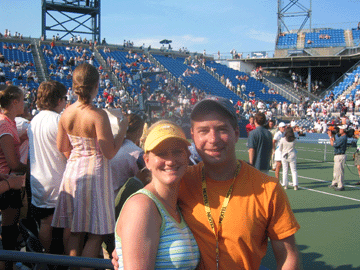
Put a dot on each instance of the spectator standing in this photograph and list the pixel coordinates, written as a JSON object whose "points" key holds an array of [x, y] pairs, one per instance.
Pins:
{"points": [[128, 160], [151, 218], [260, 144], [47, 163], [277, 153], [251, 125], [339, 142], [288, 152], [12, 104], [220, 175], [86, 201]]}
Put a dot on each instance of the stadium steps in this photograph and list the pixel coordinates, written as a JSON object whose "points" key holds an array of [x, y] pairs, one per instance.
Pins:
{"points": [[332, 87], [40, 64], [114, 80], [349, 38], [171, 76], [287, 86], [301, 41]]}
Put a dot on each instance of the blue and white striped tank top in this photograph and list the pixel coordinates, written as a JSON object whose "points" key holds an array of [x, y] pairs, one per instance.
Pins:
{"points": [[177, 247]]}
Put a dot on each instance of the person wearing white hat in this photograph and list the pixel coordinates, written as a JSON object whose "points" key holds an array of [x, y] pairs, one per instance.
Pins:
{"points": [[277, 152], [339, 142]]}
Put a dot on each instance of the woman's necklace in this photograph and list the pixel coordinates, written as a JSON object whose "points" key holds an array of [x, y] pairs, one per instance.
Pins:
{"points": [[174, 209]]}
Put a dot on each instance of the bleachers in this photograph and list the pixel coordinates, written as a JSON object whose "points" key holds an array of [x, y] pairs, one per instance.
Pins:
{"points": [[336, 38], [57, 50], [344, 85], [120, 57], [203, 81], [287, 41], [356, 36], [18, 55], [130, 65], [252, 85]]}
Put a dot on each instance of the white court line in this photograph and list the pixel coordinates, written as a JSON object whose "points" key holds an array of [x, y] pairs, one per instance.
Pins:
{"points": [[324, 181], [320, 180], [326, 193], [319, 161]]}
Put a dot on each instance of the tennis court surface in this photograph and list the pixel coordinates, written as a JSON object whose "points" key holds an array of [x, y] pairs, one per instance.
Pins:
{"points": [[329, 237]]}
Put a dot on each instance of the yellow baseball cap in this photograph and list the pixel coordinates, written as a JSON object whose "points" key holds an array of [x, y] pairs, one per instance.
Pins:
{"points": [[162, 132]]}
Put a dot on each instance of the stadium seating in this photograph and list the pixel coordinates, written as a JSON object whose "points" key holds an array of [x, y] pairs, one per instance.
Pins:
{"points": [[356, 36], [336, 38], [17, 55], [203, 80], [57, 50], [344, 85], [287, 41], [252, 85]]}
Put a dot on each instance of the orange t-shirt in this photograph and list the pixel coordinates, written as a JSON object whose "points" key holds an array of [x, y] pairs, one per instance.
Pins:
{"points": [[258, 209]]}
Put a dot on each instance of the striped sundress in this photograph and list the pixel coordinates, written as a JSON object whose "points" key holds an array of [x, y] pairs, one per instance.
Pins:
{"points": [[177, 246], [86, 199]]}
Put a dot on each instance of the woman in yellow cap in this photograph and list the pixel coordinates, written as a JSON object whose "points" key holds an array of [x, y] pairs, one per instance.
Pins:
{"points": [[151, 232]]}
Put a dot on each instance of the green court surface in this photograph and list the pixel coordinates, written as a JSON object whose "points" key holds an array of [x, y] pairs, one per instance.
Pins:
{"points": [[329, 237]]}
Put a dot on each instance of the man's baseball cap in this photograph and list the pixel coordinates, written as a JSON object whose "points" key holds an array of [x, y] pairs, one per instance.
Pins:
{"points": [[223, 103], [162, 132], [282, 124], [342, 126]]}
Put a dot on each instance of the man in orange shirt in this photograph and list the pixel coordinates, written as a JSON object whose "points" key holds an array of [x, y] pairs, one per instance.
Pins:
{"points": [[232, 208], [252, 205]]}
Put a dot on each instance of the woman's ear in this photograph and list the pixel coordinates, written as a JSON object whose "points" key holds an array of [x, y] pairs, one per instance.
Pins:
{"points": [[146, 159]]}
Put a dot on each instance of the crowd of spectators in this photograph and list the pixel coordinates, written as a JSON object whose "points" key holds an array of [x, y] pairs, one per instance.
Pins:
{"points": [[7, 34], [298, 81]]}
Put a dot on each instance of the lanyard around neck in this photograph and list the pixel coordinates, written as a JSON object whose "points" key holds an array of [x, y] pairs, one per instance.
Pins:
{"points": [[223, 208]]}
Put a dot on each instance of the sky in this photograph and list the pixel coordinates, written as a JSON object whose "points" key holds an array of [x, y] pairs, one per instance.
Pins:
{"points": [[198, 25]]}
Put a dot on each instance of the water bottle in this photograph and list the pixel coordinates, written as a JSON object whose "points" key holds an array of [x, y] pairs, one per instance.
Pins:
{"points": [[21, 266]]}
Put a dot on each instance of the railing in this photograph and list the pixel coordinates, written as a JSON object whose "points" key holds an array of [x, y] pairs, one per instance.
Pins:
{"points": [[281, 91], [339, 80], [170, 75], [41, 60], [40, 258]]}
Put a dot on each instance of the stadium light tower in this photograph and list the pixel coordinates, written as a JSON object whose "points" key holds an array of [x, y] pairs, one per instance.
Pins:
{"points": [[295, 10], [71, 17]]}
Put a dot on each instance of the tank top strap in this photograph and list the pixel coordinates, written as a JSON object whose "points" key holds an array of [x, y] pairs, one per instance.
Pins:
{"points": [[165, 216], [148, 193]]}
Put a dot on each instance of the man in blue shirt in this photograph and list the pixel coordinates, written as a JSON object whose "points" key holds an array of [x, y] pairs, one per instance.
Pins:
{"points": [[339, 142], [260, 144]]}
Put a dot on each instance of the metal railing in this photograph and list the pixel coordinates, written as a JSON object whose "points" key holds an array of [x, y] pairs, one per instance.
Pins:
{"points": [[41, 258], [41, 61], [339, 80], [281, 91]]}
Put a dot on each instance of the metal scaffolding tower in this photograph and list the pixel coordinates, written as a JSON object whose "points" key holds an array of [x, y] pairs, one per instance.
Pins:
{"points": [[71, 17], [293, 9]]}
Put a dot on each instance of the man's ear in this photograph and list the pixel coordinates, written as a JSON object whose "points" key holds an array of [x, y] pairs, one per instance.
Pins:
{"points": [[237, 133]]}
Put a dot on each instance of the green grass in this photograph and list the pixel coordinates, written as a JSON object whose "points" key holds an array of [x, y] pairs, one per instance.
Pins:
{"points": [[329, 235]]}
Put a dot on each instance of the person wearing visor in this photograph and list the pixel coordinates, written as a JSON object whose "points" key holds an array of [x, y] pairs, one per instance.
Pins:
{"points": [[150, 232]]}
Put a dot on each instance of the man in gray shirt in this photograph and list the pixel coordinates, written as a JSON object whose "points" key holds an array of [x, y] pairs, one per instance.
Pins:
{"points": [[260, 144]]}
